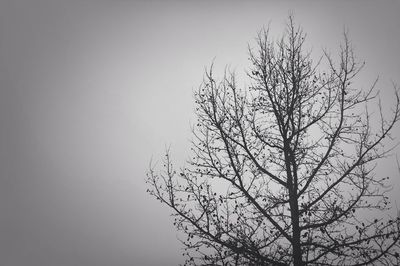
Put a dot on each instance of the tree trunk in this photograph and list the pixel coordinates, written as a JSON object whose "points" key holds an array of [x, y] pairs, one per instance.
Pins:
{"points": [[297, 256]]}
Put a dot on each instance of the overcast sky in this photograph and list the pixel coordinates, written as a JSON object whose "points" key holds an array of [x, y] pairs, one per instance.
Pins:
{"points": [[91, 90]]}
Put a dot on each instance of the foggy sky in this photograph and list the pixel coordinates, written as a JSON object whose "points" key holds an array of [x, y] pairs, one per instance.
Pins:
{"points": [[90, 91]]}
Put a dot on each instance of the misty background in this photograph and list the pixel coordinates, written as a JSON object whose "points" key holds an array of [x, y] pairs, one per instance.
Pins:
{"points": [[90, 91]]}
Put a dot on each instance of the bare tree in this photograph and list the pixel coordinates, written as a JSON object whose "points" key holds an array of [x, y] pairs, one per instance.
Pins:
{"points": [[282, 172]]}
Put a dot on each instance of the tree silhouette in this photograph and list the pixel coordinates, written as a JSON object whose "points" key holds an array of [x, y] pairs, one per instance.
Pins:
{"points": [[282, 172]]}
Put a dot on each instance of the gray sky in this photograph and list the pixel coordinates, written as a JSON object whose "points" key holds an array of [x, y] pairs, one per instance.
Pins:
{"points": [[90, 90]]}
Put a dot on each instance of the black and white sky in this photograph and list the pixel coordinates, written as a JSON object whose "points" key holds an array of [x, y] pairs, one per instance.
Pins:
{"points": [[91, 90]]}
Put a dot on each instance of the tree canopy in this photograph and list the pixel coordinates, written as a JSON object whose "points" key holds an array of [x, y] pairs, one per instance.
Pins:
{"points": [[282, 171]]}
